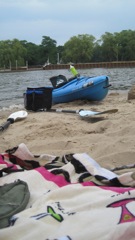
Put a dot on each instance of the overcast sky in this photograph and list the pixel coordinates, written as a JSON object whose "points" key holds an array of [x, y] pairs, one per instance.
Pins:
{"points": [[62, 19]]}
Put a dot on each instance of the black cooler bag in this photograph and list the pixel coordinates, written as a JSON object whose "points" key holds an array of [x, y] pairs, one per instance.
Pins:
{"points": [[38, 98]]}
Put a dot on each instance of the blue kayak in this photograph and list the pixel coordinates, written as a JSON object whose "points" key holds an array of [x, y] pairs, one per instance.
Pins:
{"points": [[82, 87]]}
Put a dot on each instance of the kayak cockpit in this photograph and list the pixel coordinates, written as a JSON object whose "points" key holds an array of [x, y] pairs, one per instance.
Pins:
{"points": [[60, 80]]}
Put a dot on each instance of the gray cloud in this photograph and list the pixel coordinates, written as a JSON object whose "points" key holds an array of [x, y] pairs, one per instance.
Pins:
{"points": [[61, 19]]}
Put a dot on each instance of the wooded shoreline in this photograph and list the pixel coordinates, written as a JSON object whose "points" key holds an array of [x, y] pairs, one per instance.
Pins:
{"points": [[119, 64]]}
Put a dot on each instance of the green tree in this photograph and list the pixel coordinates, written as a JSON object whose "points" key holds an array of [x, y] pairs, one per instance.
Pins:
{"points": [[32, 55], [18, 53], [118, 46], [48, 50], [6, 53], [126, 45], [79, 49], [97, 52], [108, 47]]}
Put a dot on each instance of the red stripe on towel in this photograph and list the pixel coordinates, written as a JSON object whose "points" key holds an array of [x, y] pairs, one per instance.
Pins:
{"points": [[57, 179]]}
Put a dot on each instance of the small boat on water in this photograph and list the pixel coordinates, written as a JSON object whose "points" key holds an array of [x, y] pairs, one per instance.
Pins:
{"points": [[79, 87]]}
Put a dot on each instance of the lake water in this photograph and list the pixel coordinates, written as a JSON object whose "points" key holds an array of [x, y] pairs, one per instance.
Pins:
{"points": [[14, 84]]}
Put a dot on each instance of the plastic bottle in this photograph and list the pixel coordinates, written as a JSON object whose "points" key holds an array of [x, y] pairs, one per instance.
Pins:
{"points": [[73, 71]]}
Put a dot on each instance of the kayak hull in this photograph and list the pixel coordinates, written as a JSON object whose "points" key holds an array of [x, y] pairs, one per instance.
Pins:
{"points": [[83, 88]]}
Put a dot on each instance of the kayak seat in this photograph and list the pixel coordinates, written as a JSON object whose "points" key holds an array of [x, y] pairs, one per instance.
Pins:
{"points": [[58, 81]]}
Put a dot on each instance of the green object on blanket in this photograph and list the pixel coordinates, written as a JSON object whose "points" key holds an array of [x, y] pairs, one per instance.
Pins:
{"points": [[14, 198]]}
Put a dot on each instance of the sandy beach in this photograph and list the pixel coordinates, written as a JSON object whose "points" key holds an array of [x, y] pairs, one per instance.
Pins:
{"points": [[108, 139], [71, 196]]}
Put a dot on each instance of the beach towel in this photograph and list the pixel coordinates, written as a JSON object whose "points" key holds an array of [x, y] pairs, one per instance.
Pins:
{"points": [[71, 197]]}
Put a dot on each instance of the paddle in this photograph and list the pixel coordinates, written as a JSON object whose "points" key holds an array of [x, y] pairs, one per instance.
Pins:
{"points": [[88, 113], [83, 113], [12, 118]]}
